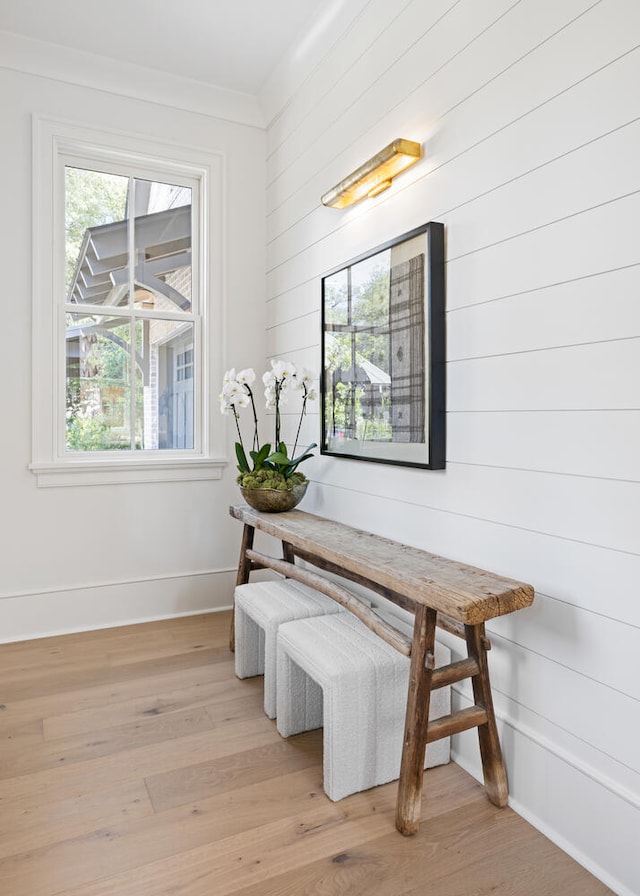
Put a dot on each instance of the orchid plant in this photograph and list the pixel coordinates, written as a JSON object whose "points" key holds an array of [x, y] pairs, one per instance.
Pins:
{"points": [[268, 469]]}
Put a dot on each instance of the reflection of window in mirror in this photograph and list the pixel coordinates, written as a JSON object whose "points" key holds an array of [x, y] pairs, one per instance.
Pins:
{"points": [[378, 331]]}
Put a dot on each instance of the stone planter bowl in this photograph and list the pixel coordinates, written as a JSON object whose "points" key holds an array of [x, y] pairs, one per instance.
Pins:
{"points": [[274, 500]]}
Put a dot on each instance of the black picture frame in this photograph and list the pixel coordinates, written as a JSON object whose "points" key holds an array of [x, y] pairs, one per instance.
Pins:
{"points": [[383, 388]]}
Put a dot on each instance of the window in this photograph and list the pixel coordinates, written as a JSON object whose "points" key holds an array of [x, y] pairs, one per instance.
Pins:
{"points": [[129, 308], [122, 309]]}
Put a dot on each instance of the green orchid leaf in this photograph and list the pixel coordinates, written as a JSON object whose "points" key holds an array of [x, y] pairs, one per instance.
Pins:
{"points": [[243, 466], [278, 457], [294, 463], [305, 454], [258, 457]]}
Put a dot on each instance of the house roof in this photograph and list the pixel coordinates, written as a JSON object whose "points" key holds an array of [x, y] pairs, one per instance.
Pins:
{"points": [[162, 244]]}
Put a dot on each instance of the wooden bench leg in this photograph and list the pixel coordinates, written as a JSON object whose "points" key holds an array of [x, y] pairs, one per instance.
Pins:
{"points": [[244, 569], [495, 774], [409, 804], [287, 553], [418, 732]]}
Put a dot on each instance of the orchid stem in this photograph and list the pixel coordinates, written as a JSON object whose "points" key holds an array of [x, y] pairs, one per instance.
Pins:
{"points": [[278, 388], [256, 441], [235, 417], [304, 405]]}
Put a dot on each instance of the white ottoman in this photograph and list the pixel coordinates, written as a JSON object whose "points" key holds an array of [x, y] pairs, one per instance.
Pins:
{"points": [[336, 671], [260, 607]]}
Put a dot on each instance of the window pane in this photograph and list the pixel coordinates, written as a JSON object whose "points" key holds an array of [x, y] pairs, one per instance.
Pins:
{"points": [[337, 298], [99, 401], [95, 236], [98, 376], [162, 235], [370, 291], [168, 370], [373, 388]]}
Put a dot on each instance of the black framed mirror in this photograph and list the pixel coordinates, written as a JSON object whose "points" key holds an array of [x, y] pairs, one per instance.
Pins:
{"points": [[383, 351]]}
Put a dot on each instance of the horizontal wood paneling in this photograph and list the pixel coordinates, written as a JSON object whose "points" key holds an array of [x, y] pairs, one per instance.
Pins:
{"points": [[586, 644], [464, 50], [577, 573], [604, 241], [591, 309], [369, 78], [620, 779], [315, 148], [522, 94], [553, 701], [528, 114], [539, 502], [598, 239], [600, 376], [573, 183], [572, 442], [294, 334]]}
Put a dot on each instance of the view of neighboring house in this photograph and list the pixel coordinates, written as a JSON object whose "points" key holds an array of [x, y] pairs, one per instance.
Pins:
{"points": [[154, 288]]}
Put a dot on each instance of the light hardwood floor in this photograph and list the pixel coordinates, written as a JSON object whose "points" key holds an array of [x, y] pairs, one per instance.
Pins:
{"points": [[134, 763]]}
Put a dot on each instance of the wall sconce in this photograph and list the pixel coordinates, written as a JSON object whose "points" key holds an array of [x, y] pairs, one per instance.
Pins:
{"points": [[375, 175]]}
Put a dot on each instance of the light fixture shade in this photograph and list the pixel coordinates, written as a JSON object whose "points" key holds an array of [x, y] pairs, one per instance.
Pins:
{"points": [[375, 175]]}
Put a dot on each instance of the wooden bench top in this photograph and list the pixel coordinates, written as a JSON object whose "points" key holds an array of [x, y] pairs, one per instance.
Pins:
{"points": [[465, 593]]}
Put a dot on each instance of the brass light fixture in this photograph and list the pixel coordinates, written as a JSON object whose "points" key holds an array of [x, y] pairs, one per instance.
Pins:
{"points": [[375, 175]]}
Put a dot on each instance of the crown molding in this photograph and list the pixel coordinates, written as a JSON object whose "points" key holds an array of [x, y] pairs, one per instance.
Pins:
{"points": [[84, 69]]}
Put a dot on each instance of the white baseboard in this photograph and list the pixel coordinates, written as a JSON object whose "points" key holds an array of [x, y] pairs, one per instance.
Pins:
{"points": [[105, 605], [585, 817]]}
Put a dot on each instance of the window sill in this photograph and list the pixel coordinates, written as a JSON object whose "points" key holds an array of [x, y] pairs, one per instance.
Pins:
{"points": [[111, 472]]}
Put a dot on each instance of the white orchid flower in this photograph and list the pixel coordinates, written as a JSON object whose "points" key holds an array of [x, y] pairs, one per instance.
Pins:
{"points": [[229, 376], [303, 379], [247, 376], [231, 388], [270, 396], [277, 369], [283, 370], [242, 400], [235, 394], [289, 370]]}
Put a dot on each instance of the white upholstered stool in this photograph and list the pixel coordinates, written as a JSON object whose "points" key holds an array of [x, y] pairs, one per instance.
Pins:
{"points": [[333, 670], [260, 607]]}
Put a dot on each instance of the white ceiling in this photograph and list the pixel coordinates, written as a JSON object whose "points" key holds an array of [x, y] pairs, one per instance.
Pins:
{"points": [[231, 44]]}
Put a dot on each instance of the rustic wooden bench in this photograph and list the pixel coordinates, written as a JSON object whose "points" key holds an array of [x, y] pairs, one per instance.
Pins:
{"points": [[439, 592]]}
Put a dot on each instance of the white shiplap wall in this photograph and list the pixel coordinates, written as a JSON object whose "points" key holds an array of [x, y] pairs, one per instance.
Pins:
{"points": [[529, 113]]}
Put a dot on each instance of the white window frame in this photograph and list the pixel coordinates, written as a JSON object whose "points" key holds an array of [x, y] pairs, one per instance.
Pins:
{"points": [[56, 144]]}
